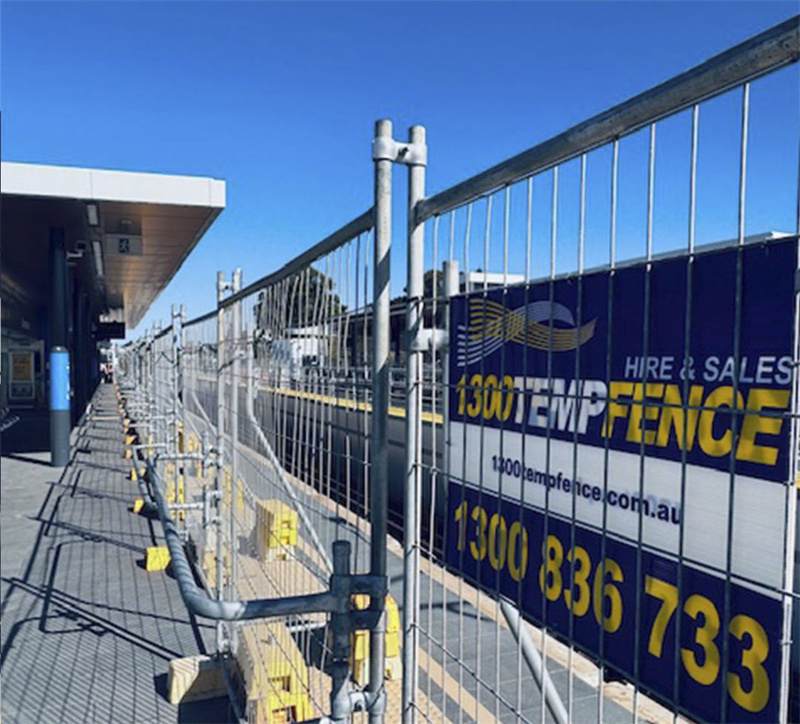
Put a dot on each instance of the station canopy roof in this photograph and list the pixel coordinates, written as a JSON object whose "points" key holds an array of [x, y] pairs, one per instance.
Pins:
{"points": [[129, 232]]}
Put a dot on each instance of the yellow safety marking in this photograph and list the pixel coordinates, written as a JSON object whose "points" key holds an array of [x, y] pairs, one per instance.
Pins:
{"points": [[181, 498], [460, 695], [226, 489], [394, 411], [128, 453], [138, 505], [156, 558], [134, 476], [130, 439], [169, 494], [226, 486]]}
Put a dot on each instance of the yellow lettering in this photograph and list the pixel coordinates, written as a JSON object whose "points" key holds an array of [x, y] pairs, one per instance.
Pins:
{"points": [[755, 424], [672, 416], [640, 412], [615, 409], [716, 447]]}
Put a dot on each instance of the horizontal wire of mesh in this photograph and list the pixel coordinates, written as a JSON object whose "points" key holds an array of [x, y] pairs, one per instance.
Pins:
{"points": [[597, 325]]}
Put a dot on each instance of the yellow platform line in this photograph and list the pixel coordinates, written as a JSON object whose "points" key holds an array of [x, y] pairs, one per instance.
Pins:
{"points": [[394, 411], [466, 701]]}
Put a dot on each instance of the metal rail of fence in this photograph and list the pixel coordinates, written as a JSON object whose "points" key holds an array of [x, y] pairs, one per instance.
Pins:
{"points": [[584, 429]]}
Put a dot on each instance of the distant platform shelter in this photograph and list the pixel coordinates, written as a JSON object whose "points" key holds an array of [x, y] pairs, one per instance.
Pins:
{"points": [[85, 254]]}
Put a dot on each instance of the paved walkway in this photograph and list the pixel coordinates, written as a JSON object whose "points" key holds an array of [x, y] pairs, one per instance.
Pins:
{"points": [[87, 634]]}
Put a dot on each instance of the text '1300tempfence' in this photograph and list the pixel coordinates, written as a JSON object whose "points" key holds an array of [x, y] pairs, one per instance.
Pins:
{"points": [[576, 411]]}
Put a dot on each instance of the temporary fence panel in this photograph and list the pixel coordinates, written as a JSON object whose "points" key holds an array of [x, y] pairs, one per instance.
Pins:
{"points": [[300, 462], [613, 451], [260, 435], [584, 427]]}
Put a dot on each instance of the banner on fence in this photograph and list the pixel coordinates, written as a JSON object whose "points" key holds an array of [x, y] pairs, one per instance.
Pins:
{"points": [[580, 398]]}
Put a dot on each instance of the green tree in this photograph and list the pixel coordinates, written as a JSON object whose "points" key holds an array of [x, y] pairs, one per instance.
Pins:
{"points": [[303, 300]]}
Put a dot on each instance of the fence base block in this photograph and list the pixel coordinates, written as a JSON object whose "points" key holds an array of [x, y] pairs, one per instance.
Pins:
{"points": [[156, 558], [194, 678]]}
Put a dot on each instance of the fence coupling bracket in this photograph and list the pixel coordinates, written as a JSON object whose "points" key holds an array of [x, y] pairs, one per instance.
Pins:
{"points": [[370, 585], [427, 339], [411, 154], [370, 701], [366, 620]]}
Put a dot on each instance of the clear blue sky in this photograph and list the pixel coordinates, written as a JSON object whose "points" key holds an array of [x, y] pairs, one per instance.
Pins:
{"points": [[279, 99]]}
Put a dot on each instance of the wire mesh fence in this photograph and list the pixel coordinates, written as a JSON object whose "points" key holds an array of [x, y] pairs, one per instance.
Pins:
{"points": [[598, 396], [583, 408], [291, 385]]}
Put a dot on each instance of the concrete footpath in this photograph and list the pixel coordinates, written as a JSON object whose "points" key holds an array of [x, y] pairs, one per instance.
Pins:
{"points": [[87, 633]]}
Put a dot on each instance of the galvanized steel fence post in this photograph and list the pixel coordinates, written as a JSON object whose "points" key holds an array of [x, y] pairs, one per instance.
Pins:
{"points": [[236, 285], [415, 347], [175, 337], [220, 451], [379, 487]]}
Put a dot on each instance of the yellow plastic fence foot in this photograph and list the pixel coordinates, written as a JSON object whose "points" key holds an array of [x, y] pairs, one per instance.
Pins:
{"points": [[392, 627], [156, 558], [138, 505], [359, 644], [276, 530], [275, 675], [194, 678]]}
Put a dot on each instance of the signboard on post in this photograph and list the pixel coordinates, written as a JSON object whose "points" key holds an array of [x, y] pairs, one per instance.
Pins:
{"points": [[599, 479], [123, 244]]}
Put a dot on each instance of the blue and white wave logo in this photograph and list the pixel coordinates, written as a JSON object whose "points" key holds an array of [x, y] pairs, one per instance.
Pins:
{"points": [[540, 325]]}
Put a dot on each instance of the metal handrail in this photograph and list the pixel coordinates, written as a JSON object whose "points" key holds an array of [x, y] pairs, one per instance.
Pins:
{"points": [[764, 53], [201, 604]]}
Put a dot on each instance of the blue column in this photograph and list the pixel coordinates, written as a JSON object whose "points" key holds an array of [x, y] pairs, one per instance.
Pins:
{"points": [[60, 422], [60, 418]]}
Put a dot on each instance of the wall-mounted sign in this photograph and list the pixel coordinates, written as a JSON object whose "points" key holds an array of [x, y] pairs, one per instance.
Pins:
{"points": [[21, 385], [123, 244], [109, 330]]}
